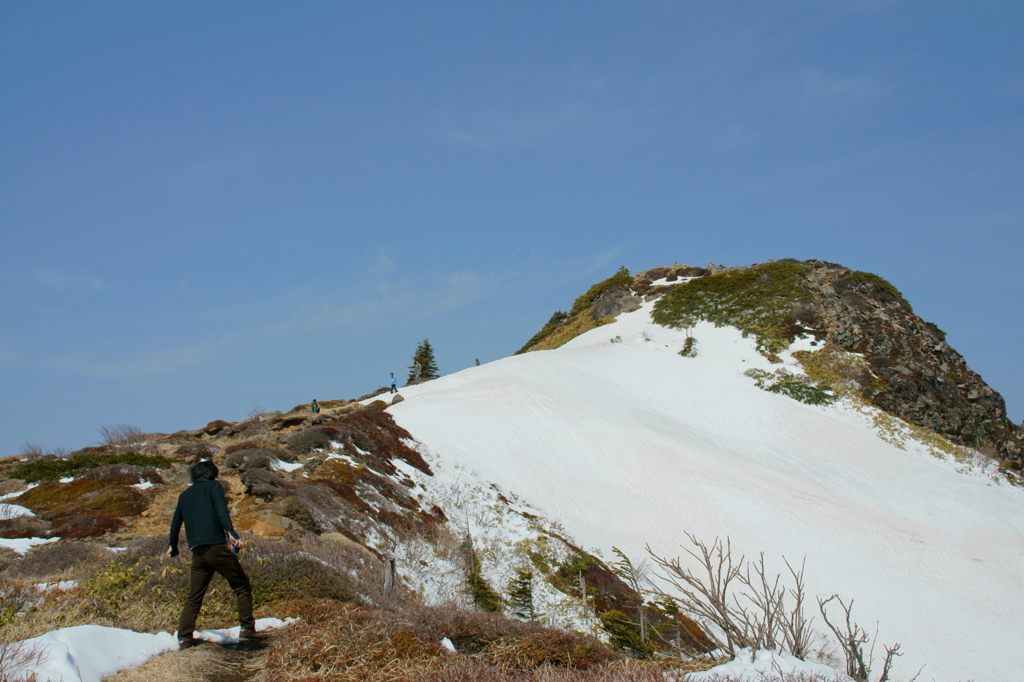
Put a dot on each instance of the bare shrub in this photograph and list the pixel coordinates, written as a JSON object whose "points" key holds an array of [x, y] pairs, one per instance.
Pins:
{"points": [[748, 606], [751, 608], [122, 437], [31, 451], [852, 639], [15, 657], [256, 412]]}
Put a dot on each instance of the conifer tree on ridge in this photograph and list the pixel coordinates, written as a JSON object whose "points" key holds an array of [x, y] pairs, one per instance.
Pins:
{"points": [[428, 366]]}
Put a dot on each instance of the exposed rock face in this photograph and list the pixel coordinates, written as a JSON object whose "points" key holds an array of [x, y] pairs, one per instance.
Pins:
{"points": [[928, 383], [615, 302]]}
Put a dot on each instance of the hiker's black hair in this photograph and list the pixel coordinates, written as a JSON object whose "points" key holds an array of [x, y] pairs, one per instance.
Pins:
{"points": [[203, 471]]}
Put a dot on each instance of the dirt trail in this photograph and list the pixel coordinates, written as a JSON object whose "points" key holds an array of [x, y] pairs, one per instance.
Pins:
{"points": [[205, 663]]}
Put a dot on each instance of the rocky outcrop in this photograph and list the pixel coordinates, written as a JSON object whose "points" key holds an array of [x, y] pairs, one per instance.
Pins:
{"points": [[926, 382], [614, 302]]}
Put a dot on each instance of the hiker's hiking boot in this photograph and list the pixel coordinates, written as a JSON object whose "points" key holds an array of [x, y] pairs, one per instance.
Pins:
{"points": [[188, 643], [251, 636]]}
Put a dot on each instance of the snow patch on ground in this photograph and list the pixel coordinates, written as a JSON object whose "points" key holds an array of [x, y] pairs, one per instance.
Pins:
{"points": [[285, 466], [230, 635], [22, 545], [765, 666], [91, 653], [14, 511]]}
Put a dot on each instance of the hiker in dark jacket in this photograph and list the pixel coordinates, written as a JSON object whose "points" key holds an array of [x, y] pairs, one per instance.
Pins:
{"points": [[214, 542]]}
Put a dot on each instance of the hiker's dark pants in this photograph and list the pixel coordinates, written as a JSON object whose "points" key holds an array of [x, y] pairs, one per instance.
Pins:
{"points": [[207, 560]]}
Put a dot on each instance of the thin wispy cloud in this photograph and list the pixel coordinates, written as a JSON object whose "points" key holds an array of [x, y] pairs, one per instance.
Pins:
{"points": [[61, 282], [818, 90], [572, 104]]}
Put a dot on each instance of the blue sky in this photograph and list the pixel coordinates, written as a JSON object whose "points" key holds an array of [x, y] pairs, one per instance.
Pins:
{"points": [[211, 206]]}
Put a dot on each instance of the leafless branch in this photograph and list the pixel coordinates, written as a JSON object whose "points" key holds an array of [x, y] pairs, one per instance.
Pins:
{"points": [[122, 437]]}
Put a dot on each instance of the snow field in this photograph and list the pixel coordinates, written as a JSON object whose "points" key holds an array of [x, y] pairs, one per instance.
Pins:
{"points": [[629, 444]]}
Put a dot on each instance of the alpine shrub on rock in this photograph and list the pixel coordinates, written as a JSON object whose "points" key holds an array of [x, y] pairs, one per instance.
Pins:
{"points": [[263, 483], [796, 386], [758, 300], [621, 278], [314, 438]]}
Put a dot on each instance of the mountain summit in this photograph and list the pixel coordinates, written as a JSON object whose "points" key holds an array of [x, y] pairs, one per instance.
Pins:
{"points": [[905, 366]]}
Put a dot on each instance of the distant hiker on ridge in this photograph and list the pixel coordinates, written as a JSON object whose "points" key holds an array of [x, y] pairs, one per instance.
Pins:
{"points": [[214, 544], [418, 369], [315, 407], [394, 383]]}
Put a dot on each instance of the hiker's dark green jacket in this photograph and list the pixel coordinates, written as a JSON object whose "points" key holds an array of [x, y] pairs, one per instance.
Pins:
{"points": [[204, 511]]}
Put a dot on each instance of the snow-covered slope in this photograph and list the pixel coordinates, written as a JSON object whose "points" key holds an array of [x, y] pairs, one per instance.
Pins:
{"points": [[629, 444]]}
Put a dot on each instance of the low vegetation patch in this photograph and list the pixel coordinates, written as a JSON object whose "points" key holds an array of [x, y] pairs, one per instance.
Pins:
{"points": [[758, 300], [881, 284], [145, 590], [576, 326], [46, 469], [847, 374], [349, 642], [53, 500], [557, 319], [797, 386]]}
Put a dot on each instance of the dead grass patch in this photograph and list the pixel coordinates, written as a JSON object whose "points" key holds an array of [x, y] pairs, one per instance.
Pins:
{"points": [[53, 501], [207, 663], [61, 561]]}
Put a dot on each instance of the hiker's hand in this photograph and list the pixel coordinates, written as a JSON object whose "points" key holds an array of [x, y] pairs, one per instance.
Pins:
{"points": [[236, 544]]}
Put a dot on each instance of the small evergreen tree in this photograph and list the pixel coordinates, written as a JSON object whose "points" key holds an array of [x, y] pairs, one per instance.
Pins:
{"points": [[520, 595], [428, 367], [481, 592]]}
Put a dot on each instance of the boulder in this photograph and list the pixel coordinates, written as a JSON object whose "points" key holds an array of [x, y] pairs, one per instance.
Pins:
{"points": [[614, 302], [272, 526]]}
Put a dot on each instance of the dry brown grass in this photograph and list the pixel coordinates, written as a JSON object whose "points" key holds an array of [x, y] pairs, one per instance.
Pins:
{"points": [[343, 642], [570, 329], [209, 663], [54, 500]]}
